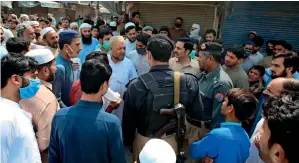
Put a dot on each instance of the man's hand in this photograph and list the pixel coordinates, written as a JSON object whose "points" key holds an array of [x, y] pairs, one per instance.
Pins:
{"points": [[129, 7], [115, 104], [207, 160]]}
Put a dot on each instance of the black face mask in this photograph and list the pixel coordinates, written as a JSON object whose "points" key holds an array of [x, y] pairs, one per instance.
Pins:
{"points": [[269, 51], [178, 25]]}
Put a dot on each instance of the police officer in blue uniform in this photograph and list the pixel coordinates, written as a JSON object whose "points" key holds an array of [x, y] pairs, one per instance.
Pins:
{"points": [[213, 85], [149, 93]]}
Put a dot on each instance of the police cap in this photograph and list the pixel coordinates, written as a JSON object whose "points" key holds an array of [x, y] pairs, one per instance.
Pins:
{"points": [[213, 48]]}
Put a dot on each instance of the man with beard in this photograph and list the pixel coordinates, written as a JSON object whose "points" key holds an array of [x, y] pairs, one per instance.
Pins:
{"points": [[131, 37], [89, 44], [266, 61], [70, 46], [176, 31], [123, 70], [44, 104], [26, 32], [233, 59], [36, 28], [281, 46], [50, 38], [277, 87], [283, 65]]}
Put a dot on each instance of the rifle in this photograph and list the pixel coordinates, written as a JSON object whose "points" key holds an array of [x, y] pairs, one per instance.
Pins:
{"points": [[178, 122]]}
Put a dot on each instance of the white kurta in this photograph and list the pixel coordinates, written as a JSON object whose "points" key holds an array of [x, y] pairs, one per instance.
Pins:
{"points": [[130, 46], [122, 73], [18, 142]]}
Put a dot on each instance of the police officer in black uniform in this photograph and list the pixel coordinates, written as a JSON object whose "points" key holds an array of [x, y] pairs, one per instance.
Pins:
{"points": [[149, 93]]}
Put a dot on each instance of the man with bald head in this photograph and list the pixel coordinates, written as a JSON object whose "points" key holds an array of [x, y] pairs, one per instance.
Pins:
{"points": [[123, 69], [276, 87]]}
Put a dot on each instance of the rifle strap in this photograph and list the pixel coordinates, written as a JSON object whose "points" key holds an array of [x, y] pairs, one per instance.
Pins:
{"points": [[177, 76]]}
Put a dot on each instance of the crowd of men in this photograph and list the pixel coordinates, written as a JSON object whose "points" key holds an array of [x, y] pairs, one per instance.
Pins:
{"points": [[95, 92]]}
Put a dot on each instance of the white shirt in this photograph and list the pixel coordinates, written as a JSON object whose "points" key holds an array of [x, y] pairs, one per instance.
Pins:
{"points": [[140, 62], [18, 142], [254, 155], [130, 46], [122, 73]]}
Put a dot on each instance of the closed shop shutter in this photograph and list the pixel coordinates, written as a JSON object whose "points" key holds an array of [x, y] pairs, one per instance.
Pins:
{"points": [[271, 20], [157, 14]]}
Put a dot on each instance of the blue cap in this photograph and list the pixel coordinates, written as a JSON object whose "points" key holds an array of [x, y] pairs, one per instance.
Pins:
{"points": [[66, 36]]}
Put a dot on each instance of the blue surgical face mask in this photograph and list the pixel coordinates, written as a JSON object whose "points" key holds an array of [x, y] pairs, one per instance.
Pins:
{"points": [[106, 45], [31, 89], [140, 50], [192, 54]]}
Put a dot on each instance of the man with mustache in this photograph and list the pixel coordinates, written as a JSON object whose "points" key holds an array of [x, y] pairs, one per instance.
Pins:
{"points": [[89, 44], [123, 70], [282, 65], [26, 32], [50, 38], [36, 28]]}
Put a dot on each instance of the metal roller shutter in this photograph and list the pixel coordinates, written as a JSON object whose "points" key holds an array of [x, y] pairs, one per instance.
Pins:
{"points": [[271, 20], [157, 14]]}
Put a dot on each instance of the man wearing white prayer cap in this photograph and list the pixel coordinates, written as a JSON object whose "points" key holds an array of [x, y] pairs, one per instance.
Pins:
{"points": [[129, 24], [89, 44], [43, 105], [24, 18], [131, 35], [113, 27], [50, 38], [157, 151], [74, 26]]}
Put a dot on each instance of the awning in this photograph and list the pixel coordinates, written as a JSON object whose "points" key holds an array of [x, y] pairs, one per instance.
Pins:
{"points": [[48, 4]]}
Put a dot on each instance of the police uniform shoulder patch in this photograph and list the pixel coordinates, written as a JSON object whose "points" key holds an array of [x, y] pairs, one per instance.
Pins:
{"points": [[130, 82], [219, 97]]}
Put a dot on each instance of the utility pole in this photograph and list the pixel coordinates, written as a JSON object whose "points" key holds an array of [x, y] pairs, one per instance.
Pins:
{"points": [[97, 10]]}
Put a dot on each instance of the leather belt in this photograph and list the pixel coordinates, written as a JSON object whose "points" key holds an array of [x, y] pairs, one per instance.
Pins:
{"points": [[199, 123]]}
